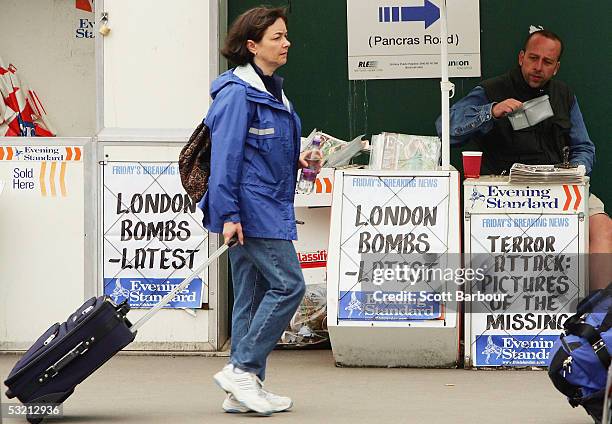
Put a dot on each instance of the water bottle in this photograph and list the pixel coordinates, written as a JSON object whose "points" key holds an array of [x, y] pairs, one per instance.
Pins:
{"points": [[309, 175]]}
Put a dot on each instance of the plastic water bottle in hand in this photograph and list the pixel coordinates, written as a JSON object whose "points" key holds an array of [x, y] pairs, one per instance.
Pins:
{"points": [[309, 175]]}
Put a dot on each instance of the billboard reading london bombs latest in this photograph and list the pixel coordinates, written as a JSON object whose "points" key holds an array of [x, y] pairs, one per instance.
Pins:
{"points": [[393, 229], [153, 235]]}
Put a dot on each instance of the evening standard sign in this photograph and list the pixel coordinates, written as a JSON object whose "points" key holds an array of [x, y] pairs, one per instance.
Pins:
{"points": [[148, 292], [393, 39], [520, 198], [379, 306], [40, 153], [514, 350]]}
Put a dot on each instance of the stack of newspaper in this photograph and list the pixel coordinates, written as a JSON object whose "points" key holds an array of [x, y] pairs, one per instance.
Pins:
{"points": [[404, 152], [549, 174]]}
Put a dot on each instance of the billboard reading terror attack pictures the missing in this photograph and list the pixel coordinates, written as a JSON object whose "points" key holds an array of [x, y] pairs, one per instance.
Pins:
{"points": [[530, 243]]}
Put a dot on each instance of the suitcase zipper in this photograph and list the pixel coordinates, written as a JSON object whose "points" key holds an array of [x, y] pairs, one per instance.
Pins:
{"points": [[83, 312], [51, 337]]}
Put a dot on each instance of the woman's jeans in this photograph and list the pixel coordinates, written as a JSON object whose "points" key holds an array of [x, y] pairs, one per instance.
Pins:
{"points": [[268, 288]]}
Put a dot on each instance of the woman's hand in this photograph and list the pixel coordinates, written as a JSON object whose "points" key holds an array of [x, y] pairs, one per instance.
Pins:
{"points": [[231, 228], [303, 163]]}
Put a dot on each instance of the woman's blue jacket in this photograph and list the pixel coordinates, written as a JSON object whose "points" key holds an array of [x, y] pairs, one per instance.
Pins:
{"points": [[255, 151]]}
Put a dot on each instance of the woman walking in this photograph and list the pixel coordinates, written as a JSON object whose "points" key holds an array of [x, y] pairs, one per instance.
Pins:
{"points": [[255, 135]]}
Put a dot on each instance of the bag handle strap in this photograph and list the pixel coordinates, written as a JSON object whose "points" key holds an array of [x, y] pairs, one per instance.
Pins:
{"points": [[593, 336]]}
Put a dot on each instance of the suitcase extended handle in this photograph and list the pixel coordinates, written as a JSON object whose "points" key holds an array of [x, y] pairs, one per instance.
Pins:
{"points": [[233, 240], [134, 328]]}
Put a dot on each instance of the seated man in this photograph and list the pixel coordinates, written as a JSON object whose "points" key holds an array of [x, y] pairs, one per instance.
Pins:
{"points": [[481, 116]]}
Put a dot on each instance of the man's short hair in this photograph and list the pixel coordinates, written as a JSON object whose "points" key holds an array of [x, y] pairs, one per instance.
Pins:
{"points": [[545, 33]]}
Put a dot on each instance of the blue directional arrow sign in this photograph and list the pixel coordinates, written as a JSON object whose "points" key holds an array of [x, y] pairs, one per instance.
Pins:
{"points": [[428, 13]]}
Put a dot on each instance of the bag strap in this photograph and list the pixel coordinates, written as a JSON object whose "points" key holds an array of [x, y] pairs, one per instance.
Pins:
{"points": [[204, 155], [593, 336]]}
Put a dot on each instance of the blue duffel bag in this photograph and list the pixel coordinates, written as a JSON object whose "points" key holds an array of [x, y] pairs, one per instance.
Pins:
{"points": [[580, 359]]}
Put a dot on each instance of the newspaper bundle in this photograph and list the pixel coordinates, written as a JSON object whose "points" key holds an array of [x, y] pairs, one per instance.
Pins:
{"points": [[546, 174], [402, 151]]}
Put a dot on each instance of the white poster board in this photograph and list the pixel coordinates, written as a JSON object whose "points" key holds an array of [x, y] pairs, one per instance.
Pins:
{"points": [[153, 236], [312, 243], [532, 260], [43, 254], [529, 243], [393, 236], [392, 39]]}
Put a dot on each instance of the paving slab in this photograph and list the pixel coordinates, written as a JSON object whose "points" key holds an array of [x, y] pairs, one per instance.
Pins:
{"points": [[180, 389]]}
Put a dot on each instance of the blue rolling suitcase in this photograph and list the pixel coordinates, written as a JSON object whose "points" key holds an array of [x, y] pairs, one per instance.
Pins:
{"points": [[67, 353]]}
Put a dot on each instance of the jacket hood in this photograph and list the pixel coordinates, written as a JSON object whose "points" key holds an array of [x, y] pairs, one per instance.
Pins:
{"points": [[247, 77], [223, 80]]}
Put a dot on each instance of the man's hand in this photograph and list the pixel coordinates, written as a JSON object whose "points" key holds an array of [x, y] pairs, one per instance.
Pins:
{"points": [[501, 109], [231, 228]]}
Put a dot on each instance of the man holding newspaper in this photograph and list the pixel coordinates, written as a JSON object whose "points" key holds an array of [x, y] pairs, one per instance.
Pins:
{"points": [[482, 115]]}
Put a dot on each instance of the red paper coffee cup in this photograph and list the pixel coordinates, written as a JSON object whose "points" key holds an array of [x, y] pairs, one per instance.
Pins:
{"points": [[471, 164]]}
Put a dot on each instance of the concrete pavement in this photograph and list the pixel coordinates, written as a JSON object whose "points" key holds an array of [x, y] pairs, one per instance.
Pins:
{"points": [[179, 389]]}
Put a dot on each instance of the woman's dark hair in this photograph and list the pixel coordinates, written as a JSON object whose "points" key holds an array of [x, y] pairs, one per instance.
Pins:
{"points": [[251, 25]]}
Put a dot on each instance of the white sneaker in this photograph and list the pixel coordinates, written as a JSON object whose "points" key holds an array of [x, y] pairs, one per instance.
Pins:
{"points": [[278, 403], [232, 406], [245, 387]]}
